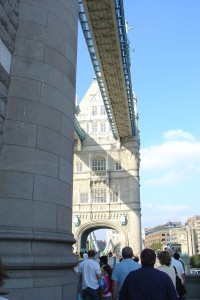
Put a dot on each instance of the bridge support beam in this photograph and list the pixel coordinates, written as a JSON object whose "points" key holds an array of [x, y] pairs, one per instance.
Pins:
{"points": [[37, 154]]}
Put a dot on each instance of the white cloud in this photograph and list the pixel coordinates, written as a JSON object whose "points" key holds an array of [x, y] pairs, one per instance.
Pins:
{"points": [[178, 134], [177, 159]]}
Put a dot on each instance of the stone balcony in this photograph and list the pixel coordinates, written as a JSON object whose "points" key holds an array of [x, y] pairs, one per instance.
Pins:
{"points": [[99, 176]]}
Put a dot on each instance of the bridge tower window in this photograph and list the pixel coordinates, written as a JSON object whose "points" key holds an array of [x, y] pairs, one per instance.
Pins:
{"points": [[114, 196], [94, 127], [99, 195], [83, 196], [118, 166], [99, 164], [94, 110], [79, 167], [103, 127], [103, 110]]}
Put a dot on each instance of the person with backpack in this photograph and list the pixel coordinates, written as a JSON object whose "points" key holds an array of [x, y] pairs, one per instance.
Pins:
{"points": [[106, 273]]}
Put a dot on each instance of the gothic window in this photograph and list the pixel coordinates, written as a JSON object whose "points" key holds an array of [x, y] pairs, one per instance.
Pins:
{"points": [[83, 197], [114, 196], [99, 164], [79, 167], [103, 110], [94, 127], [98, 195], [94, 110], [103, 127], [118, 166]]}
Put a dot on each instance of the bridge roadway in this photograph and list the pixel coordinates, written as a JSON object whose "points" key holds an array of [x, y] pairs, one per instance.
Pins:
{"points": [[104, 28]]}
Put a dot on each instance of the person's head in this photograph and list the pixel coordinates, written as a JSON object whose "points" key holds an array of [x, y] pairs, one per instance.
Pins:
{"points": [[91, 253], [176, 255], [164, 258], [148, 257], [170, 251], [127, 252], [103, 260]]}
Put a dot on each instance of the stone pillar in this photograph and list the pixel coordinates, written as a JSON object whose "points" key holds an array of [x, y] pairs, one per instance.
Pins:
{"points": [[37, 154]]}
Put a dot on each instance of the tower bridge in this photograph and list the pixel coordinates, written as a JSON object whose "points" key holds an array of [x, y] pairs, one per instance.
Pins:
{"points": [[104, 28], [38, 42]]}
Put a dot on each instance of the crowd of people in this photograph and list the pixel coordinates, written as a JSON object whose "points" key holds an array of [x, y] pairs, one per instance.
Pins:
{"points": [[131, 278]]}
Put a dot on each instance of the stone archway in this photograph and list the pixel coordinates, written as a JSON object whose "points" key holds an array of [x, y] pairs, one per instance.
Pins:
{"points": [[84, 230]]}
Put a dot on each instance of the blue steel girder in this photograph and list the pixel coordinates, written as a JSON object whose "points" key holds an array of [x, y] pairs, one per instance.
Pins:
{"points": [[78, 130], [104, 29]]}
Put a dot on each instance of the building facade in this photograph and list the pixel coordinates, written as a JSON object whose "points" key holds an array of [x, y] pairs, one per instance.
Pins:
{"points": [[161, 234], [193, 235], [106, 191], [183, 238]]}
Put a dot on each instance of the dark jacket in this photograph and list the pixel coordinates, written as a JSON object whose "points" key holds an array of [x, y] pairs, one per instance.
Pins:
{"points": [[147, 283]]}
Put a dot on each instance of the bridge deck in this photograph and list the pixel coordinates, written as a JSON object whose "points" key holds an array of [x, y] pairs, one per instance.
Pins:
{"points": [[104, 30]]}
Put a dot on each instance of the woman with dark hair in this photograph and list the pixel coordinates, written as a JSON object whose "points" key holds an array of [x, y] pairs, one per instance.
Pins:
{"points": [[2, 277], [106, 273], [165, 265]]}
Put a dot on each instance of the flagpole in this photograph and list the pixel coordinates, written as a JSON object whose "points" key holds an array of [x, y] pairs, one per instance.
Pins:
{"points": [[170, 235]]}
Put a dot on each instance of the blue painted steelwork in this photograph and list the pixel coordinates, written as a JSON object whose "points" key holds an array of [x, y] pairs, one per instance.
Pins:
{"points": [[78, 129], [90, 45], [124, 43]]}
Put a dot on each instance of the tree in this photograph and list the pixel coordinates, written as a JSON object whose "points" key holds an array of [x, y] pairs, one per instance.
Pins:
{"points": [[195, 261], [156, 246]]}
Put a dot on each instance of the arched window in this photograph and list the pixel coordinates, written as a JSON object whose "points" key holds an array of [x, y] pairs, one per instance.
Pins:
{"points": [[99, 163]]}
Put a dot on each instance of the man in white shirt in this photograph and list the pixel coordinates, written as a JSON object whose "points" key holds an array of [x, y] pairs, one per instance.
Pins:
{"points": [[177, 264], [90, 272]]}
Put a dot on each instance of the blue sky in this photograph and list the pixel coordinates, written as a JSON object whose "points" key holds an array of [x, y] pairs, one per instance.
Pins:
{"points": [[165, 68]]}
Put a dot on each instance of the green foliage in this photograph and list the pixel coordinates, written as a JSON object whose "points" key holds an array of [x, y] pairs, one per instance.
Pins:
{"points": [[195, 261], [156, 246]]}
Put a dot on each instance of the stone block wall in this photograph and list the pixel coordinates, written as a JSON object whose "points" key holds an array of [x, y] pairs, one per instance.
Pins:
{"points": [[38, 57]]}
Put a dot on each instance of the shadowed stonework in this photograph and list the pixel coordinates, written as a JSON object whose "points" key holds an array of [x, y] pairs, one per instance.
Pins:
{"points": [[36, 107]]}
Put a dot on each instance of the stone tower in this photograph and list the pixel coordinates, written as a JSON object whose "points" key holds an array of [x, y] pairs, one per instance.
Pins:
{"points": [[106, 191], [38, 39]]}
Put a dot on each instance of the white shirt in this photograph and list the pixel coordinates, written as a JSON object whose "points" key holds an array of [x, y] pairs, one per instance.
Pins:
{"points": [[178, 265], [170, 271], [89, 270]]}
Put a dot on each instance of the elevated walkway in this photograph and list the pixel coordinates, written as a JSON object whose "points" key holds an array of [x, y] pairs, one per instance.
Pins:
{"points": [[104, 28]]}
